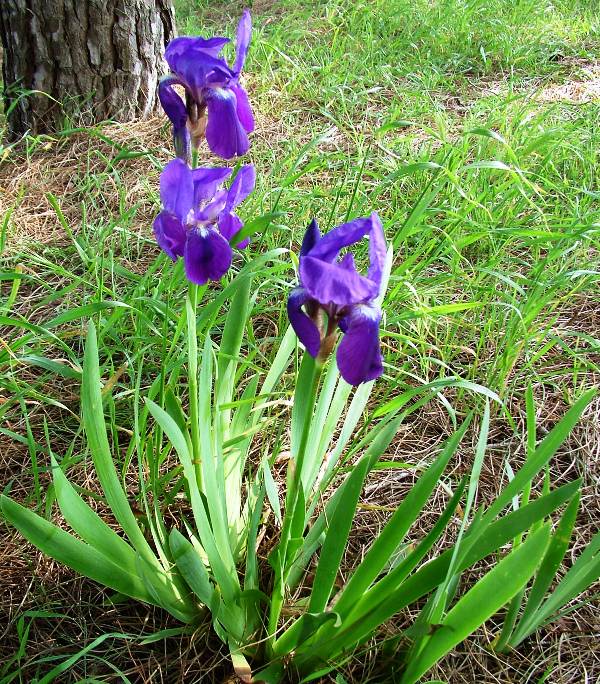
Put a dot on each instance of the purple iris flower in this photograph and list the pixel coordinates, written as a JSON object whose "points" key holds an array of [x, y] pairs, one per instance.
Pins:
{"points": [[210, 84], [198, 218], [335, 295]]}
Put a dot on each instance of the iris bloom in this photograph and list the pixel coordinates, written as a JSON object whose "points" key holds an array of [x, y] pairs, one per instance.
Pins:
{"points": [[198, 218], [210, 84], [333, 294]]}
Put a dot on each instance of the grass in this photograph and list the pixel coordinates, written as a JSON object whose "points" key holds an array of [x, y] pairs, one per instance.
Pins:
{"points": [[443, 116]]}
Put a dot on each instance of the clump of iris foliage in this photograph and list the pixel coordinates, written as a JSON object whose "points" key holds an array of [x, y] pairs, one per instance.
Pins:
{"points": [[205, 567]]}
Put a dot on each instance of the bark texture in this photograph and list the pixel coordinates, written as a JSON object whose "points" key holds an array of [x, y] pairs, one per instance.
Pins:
{"points": [[92, 59]]}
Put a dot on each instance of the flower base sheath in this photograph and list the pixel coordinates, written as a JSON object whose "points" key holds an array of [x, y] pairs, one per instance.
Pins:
{"points": [[333, 294]]}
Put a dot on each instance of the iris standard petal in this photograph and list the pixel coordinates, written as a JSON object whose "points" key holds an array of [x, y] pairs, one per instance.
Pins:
{"points": [[377, 250], [206, 181], [244, 33], [197, 70], [311, 237], [329, 246], [334, 283], [359, 354], [207, 255], [178, 46], [229, 224], [304, 327], [170, 234], [176, 110], [209, 212], [225, 134], [173, 105], [244, 110], [242, 185], [177, 188]]}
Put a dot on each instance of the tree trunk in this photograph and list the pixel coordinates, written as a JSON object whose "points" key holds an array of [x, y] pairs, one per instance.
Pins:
{"points": [[91, 60]]}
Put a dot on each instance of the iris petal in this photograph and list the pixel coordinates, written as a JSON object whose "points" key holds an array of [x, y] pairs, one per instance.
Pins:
{"points": [[206, 181], [225, 134], [229, 225], [176, 110], [244, 33], [311, 237], [244, 110], [334, 283], [207, 255], [177, 188], [329, 246], [358, 354], [377, 250], [170, 234], [242, 185], [185, 44], [307, 331]]}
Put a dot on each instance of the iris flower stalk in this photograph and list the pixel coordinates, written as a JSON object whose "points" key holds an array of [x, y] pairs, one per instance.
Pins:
{"points": [[216, 105], [332, 296], [197, 223]]}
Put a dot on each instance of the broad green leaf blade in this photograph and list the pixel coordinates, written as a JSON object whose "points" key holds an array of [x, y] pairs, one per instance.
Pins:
{"points": [[385, 599], [174, 409], [557, 549], [488, 595], [315, 536], [89, 525], [396, 576], [320, 427], [72, 552], [336, 538], [226, 579], [231, 340], [578, 578], [271, 490], [162, 587], [352, 415], [304, 388], [191, 566], [95, 429], [282, 359], [442, 596], [302, 629], [394, 532], [213, 474]]}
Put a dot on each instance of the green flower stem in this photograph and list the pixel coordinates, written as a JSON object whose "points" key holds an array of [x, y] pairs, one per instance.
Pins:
{"points": [[191, 306], [292, 497]]}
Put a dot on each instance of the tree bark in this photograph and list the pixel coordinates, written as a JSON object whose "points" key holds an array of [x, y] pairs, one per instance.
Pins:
{"points": [[89, 60]]}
